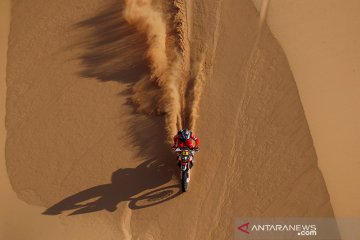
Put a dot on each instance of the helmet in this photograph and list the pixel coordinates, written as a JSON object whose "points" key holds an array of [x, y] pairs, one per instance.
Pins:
{"points": [[185, 134]]}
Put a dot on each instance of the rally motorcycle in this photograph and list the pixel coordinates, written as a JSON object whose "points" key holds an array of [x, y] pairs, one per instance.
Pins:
{"points": [[185, 157]]}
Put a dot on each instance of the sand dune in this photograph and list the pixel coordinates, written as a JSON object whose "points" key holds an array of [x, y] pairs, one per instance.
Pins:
{"points": [[89, 115], [323, 50]]}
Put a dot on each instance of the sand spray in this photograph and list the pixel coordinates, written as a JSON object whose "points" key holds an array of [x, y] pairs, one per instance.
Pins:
{"points": [[165, 68]]}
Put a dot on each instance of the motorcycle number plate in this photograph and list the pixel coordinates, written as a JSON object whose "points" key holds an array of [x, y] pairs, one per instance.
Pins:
{"points": [[185, 153]]}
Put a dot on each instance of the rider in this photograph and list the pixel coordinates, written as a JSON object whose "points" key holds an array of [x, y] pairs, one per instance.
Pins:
{"points": [[185, 138]]}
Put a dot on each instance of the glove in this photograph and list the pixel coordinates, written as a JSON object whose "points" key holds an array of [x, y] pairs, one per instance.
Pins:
{"points": [[196, 149]]}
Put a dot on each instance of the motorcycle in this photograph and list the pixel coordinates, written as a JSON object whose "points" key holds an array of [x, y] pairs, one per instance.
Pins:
{"points": [[186, 156]]}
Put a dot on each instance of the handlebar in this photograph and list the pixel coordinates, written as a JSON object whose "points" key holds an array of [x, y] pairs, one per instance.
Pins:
{"points": [[179, 149]]}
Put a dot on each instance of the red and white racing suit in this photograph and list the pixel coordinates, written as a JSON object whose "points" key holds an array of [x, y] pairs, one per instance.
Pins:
{"points": [[188, 143]]}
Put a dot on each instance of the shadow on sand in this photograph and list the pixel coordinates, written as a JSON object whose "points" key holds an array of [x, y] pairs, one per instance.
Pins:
{"points": [[125, 185], [112, 50]]}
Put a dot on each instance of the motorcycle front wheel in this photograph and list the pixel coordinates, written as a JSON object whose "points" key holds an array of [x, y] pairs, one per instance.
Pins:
{"points": [[184, 181]]}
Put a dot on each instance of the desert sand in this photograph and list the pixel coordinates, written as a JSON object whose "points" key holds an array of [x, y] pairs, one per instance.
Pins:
{"points": [[19, 220], [321, 41], [90, 107]]}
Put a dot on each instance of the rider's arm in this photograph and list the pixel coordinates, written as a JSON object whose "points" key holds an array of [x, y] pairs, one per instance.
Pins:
{"points": [[196, 139]]}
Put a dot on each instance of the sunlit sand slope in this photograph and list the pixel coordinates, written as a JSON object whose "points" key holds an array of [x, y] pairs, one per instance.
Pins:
{"points": [[76, 145]]}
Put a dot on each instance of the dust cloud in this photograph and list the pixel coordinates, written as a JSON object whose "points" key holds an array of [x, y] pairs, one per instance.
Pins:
{"points": [[162, 92]]}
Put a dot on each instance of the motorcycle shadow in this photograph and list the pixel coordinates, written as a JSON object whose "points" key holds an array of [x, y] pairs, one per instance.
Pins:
{"points": [[141, 186]]}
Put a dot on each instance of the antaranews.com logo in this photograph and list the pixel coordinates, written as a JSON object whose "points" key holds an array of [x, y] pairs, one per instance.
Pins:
{"points": [[301, 230], [295, 228]]}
